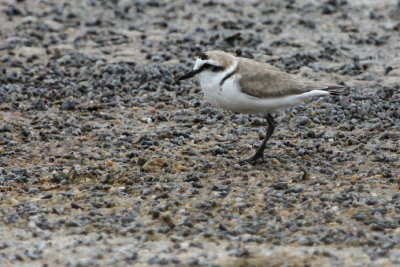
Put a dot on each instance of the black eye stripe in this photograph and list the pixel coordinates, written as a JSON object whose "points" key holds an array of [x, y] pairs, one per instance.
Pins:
{"points": [[206, 66], [217, 68], [211, 67]]}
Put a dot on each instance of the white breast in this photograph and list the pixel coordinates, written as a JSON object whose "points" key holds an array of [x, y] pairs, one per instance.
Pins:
{"points": [[209, 83]]}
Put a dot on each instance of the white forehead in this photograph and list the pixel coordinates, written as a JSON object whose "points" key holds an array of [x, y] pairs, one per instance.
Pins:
{"points": [[200, 62]]}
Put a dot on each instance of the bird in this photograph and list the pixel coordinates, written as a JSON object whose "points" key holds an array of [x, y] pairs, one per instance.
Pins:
{"points": [[244, 85]]}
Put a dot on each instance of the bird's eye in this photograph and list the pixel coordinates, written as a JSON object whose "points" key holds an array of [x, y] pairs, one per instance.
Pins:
{"points": [[207, 66], [211, 67], [216, 68]]}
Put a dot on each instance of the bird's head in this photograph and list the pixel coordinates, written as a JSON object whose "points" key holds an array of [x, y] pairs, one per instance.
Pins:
{"points": [[211, 63]]}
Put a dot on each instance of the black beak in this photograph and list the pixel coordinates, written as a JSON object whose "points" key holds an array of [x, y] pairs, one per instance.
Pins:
{"points": [[188, 75]]}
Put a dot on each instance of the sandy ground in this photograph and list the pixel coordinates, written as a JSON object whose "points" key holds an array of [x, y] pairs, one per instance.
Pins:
{"points": [[105, 160]]}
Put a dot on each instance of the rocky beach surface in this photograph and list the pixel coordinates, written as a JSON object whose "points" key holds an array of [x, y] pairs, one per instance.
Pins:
{"points": [[106, 160]]}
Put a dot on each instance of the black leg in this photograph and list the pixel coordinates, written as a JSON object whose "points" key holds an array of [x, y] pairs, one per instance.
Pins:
{"points": [[270, 130]]}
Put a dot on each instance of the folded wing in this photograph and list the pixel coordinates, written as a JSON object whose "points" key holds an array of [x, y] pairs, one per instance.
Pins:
{"points": [[265, 81]]}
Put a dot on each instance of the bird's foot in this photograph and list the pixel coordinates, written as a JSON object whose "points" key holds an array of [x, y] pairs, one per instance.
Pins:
{"points": [[258, 157]]}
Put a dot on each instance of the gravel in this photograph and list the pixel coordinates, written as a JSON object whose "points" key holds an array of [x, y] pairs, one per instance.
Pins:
{"points": [[106, 160]]}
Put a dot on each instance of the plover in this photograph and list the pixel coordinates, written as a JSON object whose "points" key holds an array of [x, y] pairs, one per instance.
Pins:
{"points": [[247, 86]]}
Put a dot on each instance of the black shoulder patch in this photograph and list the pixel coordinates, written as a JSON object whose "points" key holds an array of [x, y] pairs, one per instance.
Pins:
{"points": [[227, 76], [203, 56]]}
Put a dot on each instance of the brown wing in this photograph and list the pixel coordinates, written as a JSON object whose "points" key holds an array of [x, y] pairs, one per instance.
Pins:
{"points": [[263, 80]]}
